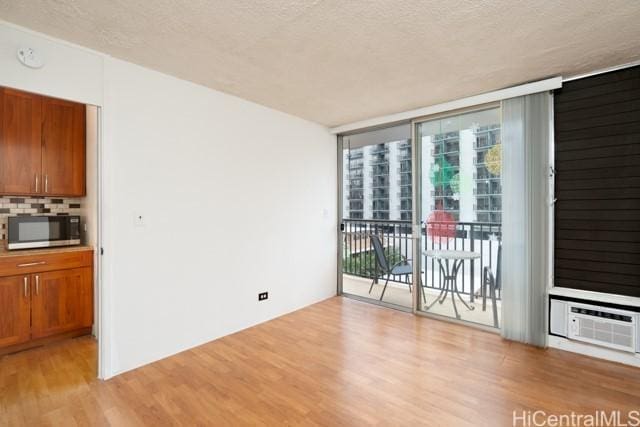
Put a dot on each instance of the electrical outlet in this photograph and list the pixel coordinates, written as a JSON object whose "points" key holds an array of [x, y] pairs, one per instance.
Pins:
{"points": [[263, 296]]}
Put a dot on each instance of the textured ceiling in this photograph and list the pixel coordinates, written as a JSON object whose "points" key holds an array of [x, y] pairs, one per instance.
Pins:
{"points": [[338, 61]]}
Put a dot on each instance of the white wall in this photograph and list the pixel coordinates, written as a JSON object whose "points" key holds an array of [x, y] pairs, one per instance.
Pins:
{"points": [[236, 198], [232, 195]]}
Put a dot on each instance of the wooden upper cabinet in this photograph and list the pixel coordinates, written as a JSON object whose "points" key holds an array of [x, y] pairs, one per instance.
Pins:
{"points": [[63, 147], [42, 145], [61, 301], [15, 314], [20, 142]]}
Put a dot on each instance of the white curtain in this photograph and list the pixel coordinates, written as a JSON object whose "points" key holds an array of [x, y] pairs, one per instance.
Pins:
{"points": [[526, 125]]}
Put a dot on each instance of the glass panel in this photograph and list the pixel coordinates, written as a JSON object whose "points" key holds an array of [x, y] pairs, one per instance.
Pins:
{"points": [[377, 205], [461, 216]]}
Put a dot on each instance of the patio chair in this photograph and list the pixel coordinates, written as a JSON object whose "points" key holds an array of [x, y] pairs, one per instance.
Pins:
{"points": [[493, 282], [401, 268]]}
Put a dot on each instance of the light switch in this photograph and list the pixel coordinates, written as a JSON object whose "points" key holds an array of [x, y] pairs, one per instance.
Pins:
{"points": [[138, 220]]}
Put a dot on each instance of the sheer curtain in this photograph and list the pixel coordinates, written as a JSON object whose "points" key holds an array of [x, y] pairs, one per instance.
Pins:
{"points": [[525, 223]]}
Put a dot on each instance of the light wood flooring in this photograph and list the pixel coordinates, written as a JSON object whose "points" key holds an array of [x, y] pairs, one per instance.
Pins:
{"points": [[339, 362]]}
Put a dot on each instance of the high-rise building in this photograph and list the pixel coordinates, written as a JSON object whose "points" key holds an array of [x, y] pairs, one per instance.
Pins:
{"points": [[488, 184], [461, 176], [378, 182]]}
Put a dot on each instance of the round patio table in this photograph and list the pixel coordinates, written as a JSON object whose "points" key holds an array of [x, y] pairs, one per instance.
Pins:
{"points": [[450, 262]]}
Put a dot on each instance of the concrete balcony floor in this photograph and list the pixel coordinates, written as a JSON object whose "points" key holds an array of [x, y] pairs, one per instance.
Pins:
{"points": [[398, 294]]}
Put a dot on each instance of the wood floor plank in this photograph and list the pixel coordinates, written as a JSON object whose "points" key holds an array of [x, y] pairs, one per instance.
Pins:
{"points": [[339, 362]]}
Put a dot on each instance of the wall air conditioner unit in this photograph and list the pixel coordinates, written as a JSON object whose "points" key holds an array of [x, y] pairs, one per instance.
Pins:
{"points": [[608, 327]]}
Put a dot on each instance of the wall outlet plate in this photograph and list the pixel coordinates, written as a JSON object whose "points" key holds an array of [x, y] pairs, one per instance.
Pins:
{"points": [[263, 296]]}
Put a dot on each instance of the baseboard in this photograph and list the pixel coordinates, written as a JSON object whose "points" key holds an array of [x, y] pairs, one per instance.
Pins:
{"points": [[594, 351]]}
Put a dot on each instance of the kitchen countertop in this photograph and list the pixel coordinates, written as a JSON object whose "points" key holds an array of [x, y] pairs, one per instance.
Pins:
{"points": [[43, 251]]}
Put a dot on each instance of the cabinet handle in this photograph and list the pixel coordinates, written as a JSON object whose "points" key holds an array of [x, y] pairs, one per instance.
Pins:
{"points": [[46, 183], [29, 264], [26, 286], [37, 285], [36, 183]]}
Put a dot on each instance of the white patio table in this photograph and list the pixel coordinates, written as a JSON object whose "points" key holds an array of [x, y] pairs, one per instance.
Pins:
{"points": [[450, 262]]}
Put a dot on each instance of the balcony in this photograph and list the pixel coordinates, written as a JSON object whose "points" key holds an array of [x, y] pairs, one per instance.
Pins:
{"points": [[359, 266], [380, 170]]}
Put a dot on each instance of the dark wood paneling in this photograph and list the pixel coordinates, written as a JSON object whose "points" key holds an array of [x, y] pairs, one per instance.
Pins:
{"points": [[583, 274], [599, 256], [597, 226], [606, 287], [610, 98], [598, 235], [603, 194], [598, 215], [569, 93], [602, 142], [594, 245], [628, 149], [600, 163], [613, 130], [599, 121], [605, 267], [610, 205], [602, 173], [584, 224], [597, 111]]}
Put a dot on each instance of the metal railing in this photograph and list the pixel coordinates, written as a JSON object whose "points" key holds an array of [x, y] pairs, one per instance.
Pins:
{"points": [[358, 258], [396, 237]]}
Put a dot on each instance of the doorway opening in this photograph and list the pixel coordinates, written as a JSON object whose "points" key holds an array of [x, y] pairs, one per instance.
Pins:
{"points": [[50, 227]]}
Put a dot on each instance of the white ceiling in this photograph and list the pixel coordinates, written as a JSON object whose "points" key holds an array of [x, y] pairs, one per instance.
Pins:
{"points": [[338, 61]]}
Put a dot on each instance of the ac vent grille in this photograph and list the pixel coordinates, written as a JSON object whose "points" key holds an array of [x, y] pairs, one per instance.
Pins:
{"points": [[604, 328]]}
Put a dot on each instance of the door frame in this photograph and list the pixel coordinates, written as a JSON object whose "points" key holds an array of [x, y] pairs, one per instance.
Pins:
{"points": [[102, 322], [340, 225]]}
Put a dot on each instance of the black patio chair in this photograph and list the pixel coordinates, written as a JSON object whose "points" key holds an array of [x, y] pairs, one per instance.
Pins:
{"points": [[494, 283], [401, 268]]}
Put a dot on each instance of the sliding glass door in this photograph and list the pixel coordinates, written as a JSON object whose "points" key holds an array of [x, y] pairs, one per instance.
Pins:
{"points": [[459, 215], [376, 245], [426, 214]]}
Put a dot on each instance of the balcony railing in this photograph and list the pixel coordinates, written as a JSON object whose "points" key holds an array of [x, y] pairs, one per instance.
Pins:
{"points": [[396, 237]]}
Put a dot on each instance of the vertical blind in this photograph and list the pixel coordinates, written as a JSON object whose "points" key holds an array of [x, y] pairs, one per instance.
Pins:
{"points": [[525, 198]]}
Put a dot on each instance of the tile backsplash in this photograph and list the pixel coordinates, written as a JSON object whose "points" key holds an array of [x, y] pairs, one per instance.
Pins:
{"points": [[33, 205]]}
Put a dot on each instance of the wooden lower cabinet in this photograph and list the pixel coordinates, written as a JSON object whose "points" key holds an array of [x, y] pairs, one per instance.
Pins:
{"points": [[62, 301], [15, 310], [48, 301]]}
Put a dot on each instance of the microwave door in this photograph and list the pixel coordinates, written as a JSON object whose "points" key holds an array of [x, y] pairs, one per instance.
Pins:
{"points": [[31, 230]]}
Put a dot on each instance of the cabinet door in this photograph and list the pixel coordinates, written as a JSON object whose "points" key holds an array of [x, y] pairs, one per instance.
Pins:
{"points": [[62, 301], [15, 317], [20, 142], [63, 149]]}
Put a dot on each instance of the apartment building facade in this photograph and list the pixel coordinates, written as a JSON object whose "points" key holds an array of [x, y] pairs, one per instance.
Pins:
{"points": [[464, 177]]}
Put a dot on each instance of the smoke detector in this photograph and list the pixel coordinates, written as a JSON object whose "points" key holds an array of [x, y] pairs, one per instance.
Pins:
{"points": [[30, 57]]}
